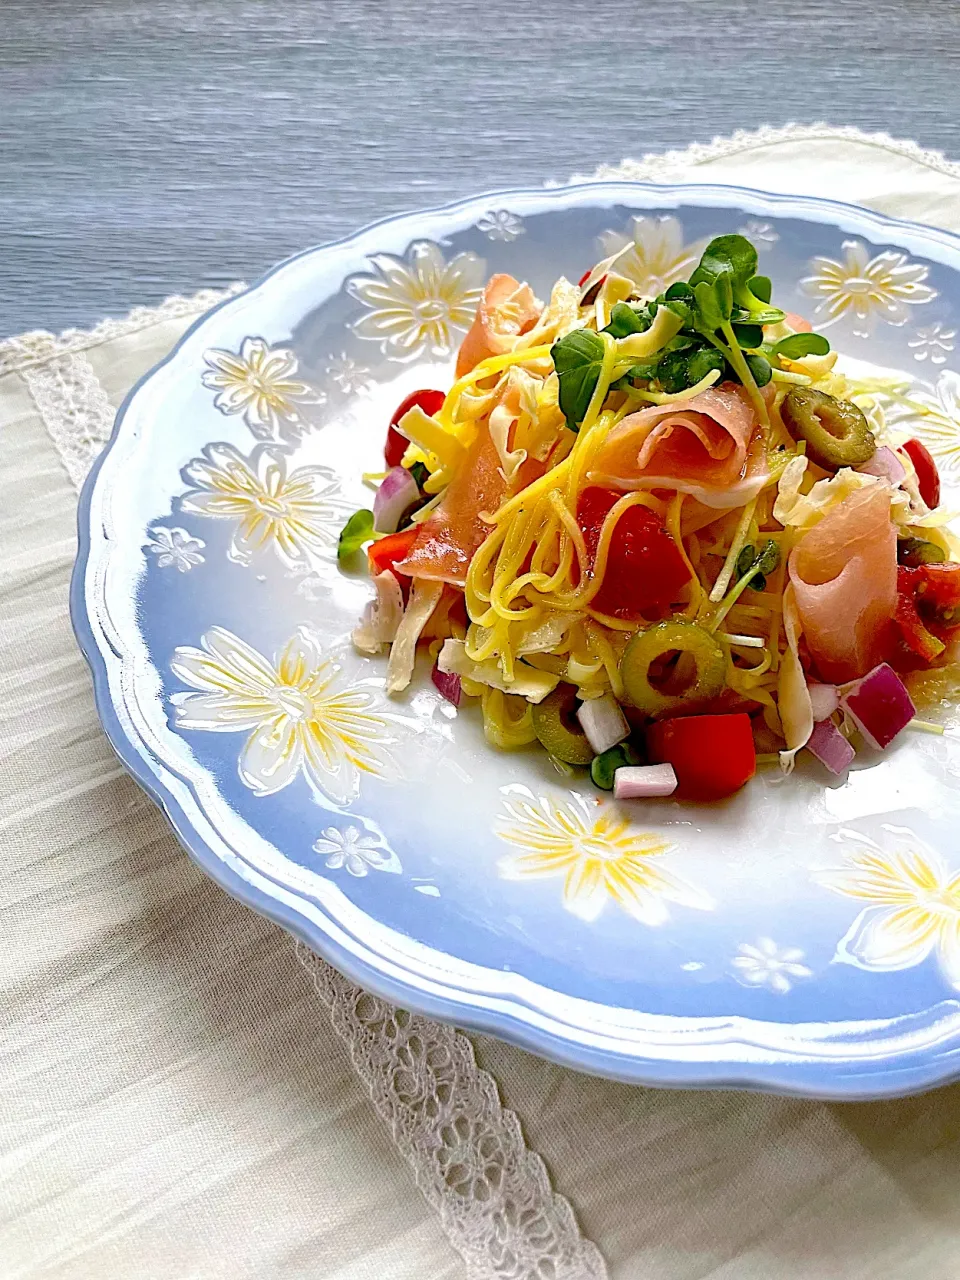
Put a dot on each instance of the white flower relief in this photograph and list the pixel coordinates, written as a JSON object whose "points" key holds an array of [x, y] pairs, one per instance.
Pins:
{"points": [[600, 857], [761, 234], [301, 714], [355, 852], [934, 343], [658, 256], [259, 382], [415, 304], [175, 547], [938, 421], [292, 514], [866, 289], [911, 911], [348, 374], [501, 224], [764, 964]]}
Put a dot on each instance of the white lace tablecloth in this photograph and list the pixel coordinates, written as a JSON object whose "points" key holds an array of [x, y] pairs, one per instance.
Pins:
{"points": [[183, 1097]]}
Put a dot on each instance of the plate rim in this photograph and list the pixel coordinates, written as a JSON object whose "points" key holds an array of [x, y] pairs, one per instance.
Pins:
{"points": [[798, 1073]]}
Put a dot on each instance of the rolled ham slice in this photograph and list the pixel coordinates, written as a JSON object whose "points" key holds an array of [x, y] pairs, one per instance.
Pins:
{"points": [[507, 310], [447, 540], [709, 447], [844, 577]]}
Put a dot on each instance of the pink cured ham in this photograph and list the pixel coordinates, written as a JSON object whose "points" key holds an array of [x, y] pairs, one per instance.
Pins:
{"points": [[507, 309], [844, 576], [709, 446], [447, 540]]}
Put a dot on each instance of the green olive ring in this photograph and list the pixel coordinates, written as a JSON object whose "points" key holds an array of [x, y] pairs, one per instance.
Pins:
{"points": [[667, 637], [836, 432], [555, 724]]}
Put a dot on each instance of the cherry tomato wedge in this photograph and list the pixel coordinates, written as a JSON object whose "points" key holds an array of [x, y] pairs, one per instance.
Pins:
{"points": [[937, 586], [396, 445], [910, 626], [928, 477], [712, 756], [644, 570], [384, 553]]}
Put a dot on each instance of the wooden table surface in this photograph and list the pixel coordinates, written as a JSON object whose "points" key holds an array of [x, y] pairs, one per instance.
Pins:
{"points": [[156, 146]]}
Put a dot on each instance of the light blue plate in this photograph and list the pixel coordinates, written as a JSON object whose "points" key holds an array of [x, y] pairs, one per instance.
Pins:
{"points": [[802, 937]]}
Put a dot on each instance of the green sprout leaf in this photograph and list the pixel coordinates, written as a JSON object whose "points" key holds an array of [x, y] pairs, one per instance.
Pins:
{"points": [[727, 255], [709, 314], [357, 531], [802, 344], [577, 359], [625, 320], [761, 287], [760, 367], [748, 335]]}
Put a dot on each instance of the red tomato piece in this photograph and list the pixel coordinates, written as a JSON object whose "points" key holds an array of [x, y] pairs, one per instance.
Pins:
{"points": [[384, 553], [712, 756], [644, 570], [396, 446], [914, 634], [928, 477], [937, 586]]}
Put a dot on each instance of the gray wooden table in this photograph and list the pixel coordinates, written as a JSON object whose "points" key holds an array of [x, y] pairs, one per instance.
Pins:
{"points": [[156, 146]]}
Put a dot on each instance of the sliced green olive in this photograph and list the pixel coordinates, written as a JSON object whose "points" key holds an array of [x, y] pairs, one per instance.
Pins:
{"points": [[555, 724], [646, 647], [836, 432], [913, 552]]}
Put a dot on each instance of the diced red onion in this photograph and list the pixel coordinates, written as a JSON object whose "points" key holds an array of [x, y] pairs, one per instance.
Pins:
{"points": [[824, 700], [884, 464], [603, 722], [397, 494], [642, 781], [448, 685], [879, 705], [830, 747]]}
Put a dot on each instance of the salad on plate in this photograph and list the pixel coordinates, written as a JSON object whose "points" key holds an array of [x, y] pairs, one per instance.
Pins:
{"points": [[659, 536]]}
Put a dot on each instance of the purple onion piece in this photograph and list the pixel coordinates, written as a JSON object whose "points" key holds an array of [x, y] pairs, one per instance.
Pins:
{"points": [[884, 464], [397, 494], [830, 747], [448, 685], [824, 700], [879, 705]]}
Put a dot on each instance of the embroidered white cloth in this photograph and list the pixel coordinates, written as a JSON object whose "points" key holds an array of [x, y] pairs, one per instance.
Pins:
{"points": [[180, 1098]]}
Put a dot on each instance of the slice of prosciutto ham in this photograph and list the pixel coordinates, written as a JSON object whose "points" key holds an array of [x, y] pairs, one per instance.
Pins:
{"points": [[447, 539], [708, 446], [506, 310], [844, 577]]}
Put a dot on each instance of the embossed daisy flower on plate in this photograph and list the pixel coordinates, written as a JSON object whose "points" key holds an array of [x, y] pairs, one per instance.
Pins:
{"points": [[912, 910], [259, 382], [295, 514], [657, 256], [601, 858], [354, 851], [764, 964], [933, 343], [866, 289], [416, 303], [174, 548], [501, 224], [301, 713], [938, 420]]}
